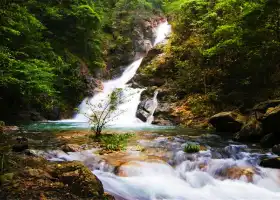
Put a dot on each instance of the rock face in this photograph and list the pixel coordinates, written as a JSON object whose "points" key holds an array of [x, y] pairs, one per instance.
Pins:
{"points": [[93, 85], [230, 122], [271, 163], [41, 179]]}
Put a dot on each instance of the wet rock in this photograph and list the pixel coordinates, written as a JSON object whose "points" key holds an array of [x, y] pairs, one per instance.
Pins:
{"points": [[276, 149], [93, 85], [236, 173], [270, 120], [143, 45], [123, 169], [251, 132], [146, 108], [70, 148], [271, 163], [230, 122], [270, 140], [151, 55]]}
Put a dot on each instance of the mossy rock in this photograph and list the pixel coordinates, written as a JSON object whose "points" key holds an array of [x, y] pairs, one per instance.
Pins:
{"points": [[79, 178], [36, 178], [230, 122], [6, 178]]}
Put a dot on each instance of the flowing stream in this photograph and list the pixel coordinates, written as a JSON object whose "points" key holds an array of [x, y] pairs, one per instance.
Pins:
{"points": [[222, 170], [130, 95]]}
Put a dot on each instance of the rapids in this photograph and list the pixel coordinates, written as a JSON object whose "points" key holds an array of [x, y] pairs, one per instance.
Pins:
{"points": [[223, 171]]}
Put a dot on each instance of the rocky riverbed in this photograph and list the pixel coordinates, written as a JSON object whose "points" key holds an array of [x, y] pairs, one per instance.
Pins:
{"points": [[142, 170]]}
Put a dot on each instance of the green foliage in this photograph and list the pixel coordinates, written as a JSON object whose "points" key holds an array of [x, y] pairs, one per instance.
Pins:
{"points": [[113, 142], [49, 48], [104, 112], [229, 48], [191, 148]]}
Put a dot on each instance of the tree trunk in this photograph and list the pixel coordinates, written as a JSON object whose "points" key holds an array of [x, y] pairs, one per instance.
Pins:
{"points": [[98, 132]]}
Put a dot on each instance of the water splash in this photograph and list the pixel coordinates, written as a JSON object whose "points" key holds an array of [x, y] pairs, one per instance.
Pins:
{"points": [[188, 177], [131, 95]]}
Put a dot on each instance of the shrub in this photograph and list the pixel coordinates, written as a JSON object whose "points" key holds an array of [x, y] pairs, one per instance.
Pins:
{"points": [[113, 142], [192, 148]]}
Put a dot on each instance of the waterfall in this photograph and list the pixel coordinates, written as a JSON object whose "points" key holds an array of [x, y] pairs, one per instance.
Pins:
{"points": [[131, 95]]}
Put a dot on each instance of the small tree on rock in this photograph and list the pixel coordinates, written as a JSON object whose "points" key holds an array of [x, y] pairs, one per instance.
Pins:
{"points": [[104, 112]]}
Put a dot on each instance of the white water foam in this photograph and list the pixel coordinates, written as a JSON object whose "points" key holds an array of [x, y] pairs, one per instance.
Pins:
{"points": [[194, 176]]}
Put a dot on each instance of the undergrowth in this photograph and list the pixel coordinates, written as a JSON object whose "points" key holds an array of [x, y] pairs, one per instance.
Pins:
{"points": [[113, 142], [192, 148]]}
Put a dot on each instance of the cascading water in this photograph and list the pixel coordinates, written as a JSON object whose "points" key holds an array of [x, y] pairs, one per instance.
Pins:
{"points": [[132, 96], [230, 172]]}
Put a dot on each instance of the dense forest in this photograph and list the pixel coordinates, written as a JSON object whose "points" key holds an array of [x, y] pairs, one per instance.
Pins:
{"points": [[223, 53], [49, 48]]}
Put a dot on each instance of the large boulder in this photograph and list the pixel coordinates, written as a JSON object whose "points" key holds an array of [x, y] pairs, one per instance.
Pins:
{"points": [[269, 140], [271, 163], [146, 108], [251, 132], [80, 180], [271, 119], [276, 149], [40, 179], [230, 122]]}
